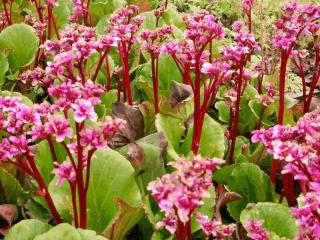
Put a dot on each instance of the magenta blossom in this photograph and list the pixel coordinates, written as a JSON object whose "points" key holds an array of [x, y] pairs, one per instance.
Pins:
{"points": [[256, 230], [59, 128], [84, 109], [180, 193], [65, 171]]}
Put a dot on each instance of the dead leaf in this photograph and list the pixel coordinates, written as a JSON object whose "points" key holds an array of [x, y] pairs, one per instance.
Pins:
{"points": [[134, 129]]}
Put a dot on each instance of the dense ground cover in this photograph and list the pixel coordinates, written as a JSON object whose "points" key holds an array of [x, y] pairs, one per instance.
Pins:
{"points": [[177, 120]]}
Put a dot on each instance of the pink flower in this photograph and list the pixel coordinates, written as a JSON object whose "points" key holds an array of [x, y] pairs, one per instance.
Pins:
{"points": [[19, 144], [208, 227], [60, 128], [237, 26], [180, 193], [65, 171], [84, 110], [112, 126], [93, 138], [5, 148], [27, 115], [256, 230]]}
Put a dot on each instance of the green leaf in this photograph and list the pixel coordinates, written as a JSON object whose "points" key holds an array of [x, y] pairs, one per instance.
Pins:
{"points": [[171, 17], [27, 230], [22, 42], [223, 110], [211, 142], [61, 196], [67, 232], [11, 189], [149, 21], [249, 181], [112, 177], [277, 219], [126, 218], [108, 99], [152, 164], [44, 161], [173, 129], [4, 67], [62, 13], [168, 72]]}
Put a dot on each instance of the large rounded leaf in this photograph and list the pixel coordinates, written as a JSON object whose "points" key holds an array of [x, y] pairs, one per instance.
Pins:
{"points": [[67, 232], [22, 42], [27, 230], [173, 129], [112, 177], [249, 181], [277, 219], [211, 142], [11, 190]]}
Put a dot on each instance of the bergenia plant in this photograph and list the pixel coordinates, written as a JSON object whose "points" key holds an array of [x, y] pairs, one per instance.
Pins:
{"points": [[181, 193], [73, 96], [297, 20], [297, 148], [83, 155], [238, 56], [152, 43], [191, 56], [124, 25]]}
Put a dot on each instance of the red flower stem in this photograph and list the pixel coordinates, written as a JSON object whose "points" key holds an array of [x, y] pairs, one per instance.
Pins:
{"points": [[82, 74], [39, 11], [90, 154], [199, 114], [235, 127], [260, 117], [126, 75], [102, 58], [210, 47], [49, 22], [80, 183], [315, 80], [52, 150], [55, 26], [287, 179], [73, 188], [155, 84], [250, 21], [186, 75], [37, 176], [4, 3], [283, 67], [69, 155], [166, 4], [108, 74], [118, 87], [304, 84], [10, 11]]}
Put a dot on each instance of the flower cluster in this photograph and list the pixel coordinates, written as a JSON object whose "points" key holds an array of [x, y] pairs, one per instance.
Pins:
{"points": [[76, 44], [308, 216], [153, 40], [247, 5], [201, 29], [297, 19], [214, 228], [180, 193], [124, 24], [78, 10], [245, 44], [256, 230], [299, 149], [269, 96]]}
